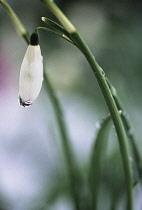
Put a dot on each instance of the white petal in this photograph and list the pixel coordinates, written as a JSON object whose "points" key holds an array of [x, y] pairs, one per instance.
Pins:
{"points": [[31, 74]]}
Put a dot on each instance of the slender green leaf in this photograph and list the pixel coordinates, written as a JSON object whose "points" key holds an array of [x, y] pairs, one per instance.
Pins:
{"points": [[137, 161], [113, 109], [65, 34], [56, 33], [98, 153], [55, 25]]}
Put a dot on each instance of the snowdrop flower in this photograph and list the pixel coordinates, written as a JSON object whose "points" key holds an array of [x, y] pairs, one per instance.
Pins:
{"points": [[31, 73]]}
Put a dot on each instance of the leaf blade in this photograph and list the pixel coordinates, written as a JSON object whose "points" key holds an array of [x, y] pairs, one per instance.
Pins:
{"points": [[96, 159]]}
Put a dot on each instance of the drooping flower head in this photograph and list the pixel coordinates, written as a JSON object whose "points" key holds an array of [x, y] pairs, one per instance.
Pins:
{"points": [[31, 73]]}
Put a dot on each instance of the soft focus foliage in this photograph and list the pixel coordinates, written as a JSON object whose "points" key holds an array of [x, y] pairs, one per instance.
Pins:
{"points": [[32, 164]]}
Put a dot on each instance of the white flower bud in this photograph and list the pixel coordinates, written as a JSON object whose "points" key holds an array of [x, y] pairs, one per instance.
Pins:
{"points": [[31, 73]]}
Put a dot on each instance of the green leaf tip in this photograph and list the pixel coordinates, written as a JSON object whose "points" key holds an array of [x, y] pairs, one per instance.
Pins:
{"points": [[69, 27], [97, 157], [55, 25]]}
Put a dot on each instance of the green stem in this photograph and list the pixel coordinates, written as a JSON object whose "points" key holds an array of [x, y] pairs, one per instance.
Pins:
{"points": [[15, 20], [60, 16], [114, 114], [55, 25], [56, 33], [137, 158], [107, 95], [72, 170]]}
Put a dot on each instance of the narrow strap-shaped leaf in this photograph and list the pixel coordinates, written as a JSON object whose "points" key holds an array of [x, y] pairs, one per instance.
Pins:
{"points": [[137, 162], [55, 25], [59, 28], [120, 130], [56, 33], [98, 153]]}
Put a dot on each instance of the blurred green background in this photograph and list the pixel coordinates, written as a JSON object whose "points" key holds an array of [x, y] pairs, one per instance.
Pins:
{"points": [[32, 163]]}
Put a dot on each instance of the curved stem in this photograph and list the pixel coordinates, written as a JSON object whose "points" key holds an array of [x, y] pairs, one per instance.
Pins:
{"points": [[72, 170], [65, 34], [55, 25], [114, 114], [21, 30], [106, 92], [137, 158], [56, 33], [60, 16]]}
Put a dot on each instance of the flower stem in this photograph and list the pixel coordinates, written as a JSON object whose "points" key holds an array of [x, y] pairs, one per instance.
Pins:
{"points": [[72, 170], [15, 20], [60, 16], [71, 166], [56, 33], [128, 128], [114, 114], [100, 76]]}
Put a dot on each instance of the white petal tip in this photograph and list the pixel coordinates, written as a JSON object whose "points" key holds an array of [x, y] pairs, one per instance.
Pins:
{"points": [[25, 103]]}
